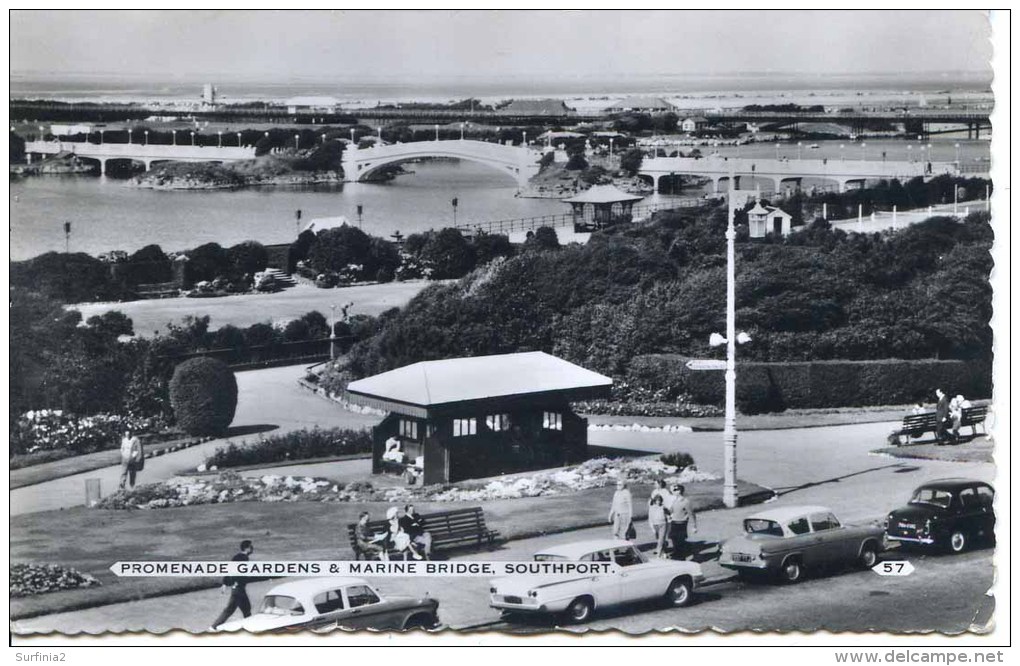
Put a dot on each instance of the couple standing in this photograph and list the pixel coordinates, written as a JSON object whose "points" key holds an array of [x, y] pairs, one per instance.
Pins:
{"points": [[668, 510]]}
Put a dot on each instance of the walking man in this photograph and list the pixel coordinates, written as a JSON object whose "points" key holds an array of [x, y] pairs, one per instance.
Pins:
{"points": [[680, 515], [131, 459], [237, 587], [941, 415], [622, 510]]}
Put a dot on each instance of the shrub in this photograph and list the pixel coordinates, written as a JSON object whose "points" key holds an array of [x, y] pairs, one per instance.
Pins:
{"points": [[31, 579], [679, 459], [248, 257], [203, 393], [297, 445], [53, 429]]}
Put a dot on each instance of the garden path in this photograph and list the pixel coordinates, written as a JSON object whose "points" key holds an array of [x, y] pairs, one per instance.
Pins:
{"points": [[270, 397]]}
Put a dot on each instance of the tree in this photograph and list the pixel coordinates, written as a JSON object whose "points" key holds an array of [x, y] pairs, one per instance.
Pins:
{"points": [[576, 162], [203, 393], [111, 324], [207, 262], [490, 246], [336, 248], [149, 265], [248, 257], [631, 159], [449, 254], [547, 160], [545, 238]]}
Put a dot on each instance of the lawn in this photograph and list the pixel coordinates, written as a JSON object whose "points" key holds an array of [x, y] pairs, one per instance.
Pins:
{"points": [[981, 449], [92, 540]]}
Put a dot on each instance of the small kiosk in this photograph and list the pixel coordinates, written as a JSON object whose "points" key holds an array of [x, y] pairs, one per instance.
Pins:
{"points": [[601, 206], [481, 416]]}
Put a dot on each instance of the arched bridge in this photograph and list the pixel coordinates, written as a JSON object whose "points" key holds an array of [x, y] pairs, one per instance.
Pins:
{"points": [[140, 152], [517, 162]]}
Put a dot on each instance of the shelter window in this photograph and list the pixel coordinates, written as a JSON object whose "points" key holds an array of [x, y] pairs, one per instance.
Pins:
{"points": [[497, 422], [408, 428], [552, 420], [462, 427]]}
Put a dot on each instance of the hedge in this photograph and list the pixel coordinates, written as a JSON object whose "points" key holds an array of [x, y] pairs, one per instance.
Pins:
{"points": [[203, 393], [298, 445], [774, 386]]}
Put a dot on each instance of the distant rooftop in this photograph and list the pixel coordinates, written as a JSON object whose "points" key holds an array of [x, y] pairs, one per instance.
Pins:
{"points": [[535, 107], [604, 194], [312, 101], [641, 104], [415, 389]]}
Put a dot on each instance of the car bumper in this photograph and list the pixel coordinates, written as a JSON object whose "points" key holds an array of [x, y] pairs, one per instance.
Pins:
{"points": [[755, 564], [527, 605], [927, 541]]}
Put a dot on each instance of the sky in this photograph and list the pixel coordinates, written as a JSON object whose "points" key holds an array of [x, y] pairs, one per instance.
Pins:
{"points": [[442, 45]]}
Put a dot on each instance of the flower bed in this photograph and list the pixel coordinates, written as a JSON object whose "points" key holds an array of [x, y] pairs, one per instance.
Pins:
{"points": [[31, 579], [297, 445], [53, 429], [640, 408], [231, 487]]}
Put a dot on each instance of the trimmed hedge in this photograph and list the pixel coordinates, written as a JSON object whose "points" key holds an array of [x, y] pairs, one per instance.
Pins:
{"points": [[766, 387], [203, 394], [297, 445]]}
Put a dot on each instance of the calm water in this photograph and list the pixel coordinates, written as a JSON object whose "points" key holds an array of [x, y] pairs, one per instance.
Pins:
{"points": [[107, 215]]}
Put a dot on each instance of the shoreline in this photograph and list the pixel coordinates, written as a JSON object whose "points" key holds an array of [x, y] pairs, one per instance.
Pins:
{"points": [[189, 184]]}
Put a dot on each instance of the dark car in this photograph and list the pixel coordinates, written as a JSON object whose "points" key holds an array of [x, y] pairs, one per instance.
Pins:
{"points": [[948, 513]]}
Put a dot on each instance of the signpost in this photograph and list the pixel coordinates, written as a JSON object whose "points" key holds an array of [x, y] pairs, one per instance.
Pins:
{"points": [[705, 364]]}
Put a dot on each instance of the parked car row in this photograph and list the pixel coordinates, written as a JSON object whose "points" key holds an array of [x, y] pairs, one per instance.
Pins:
{"points": [[780, 543]]}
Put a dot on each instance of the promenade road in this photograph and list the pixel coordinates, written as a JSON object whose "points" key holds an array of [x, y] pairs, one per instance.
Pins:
{"points": [[243, 310]]}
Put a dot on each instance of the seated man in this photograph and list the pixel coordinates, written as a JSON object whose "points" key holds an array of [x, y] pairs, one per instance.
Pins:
{"points": [[369, 543], [393, 452], [414, 525], [956, 407]]}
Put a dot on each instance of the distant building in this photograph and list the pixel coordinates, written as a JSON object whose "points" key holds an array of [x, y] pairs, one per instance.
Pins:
{"points": [[535, 107], [694, 124], [312, 105], [474, 417], [70, 130], [601, 206], [650, 105], [209, 94], [762, 220]]}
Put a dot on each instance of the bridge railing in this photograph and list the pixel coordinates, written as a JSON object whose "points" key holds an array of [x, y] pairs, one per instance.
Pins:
{"points": [[567, 219]]}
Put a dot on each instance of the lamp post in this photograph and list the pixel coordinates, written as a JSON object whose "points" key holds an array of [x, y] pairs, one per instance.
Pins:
{"points": [[352, 136], [910, 154], [610, 151], [174, 135], [67, 237], [146, 137], [239, 139], [730, 497], [957, 146], [129, 137], [462, 131], [297, 139], [524, 139], [454, 202], [800, 147], [863, 148], [776, 144], [437, 131], [842, 153], [380, 134], [102, 132], [929, 152], [192, 139]]}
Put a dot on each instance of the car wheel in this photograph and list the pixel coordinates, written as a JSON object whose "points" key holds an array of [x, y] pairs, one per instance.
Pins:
{"points": [[580, 610], [680, 592], [868, 557], [791, 571], [420, 621], [957, 542]]}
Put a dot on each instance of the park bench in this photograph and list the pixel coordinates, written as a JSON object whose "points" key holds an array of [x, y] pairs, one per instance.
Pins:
{"points": [[915, 425], [450, 530]]}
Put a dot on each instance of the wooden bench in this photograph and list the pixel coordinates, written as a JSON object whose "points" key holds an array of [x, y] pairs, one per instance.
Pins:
{"points": [[915, 425], [450, 530]]}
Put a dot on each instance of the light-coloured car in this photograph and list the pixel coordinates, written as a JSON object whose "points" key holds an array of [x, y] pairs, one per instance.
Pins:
{"points": [[323, 604], [785, 541], [635, 578]]}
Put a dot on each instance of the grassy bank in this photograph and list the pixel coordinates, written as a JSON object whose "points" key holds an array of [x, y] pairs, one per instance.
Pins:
{"points": [[92, 540]]}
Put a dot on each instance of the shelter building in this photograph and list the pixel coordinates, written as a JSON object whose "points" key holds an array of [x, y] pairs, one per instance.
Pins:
{"points": [[762, 220], [601, 206], [481, 416]]}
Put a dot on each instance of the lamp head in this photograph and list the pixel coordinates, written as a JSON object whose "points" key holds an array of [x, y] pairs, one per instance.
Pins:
{"points": [[743, 338], [715, 340]]}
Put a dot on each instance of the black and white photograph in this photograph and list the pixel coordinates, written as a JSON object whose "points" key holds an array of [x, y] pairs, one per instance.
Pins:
{"points": [[337, 325]]}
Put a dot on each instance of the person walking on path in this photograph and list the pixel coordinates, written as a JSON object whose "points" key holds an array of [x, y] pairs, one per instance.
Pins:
{"points": [[657, 520], [680, 516], [131, 459], [941, 415], [237, 586], [622, 510]]}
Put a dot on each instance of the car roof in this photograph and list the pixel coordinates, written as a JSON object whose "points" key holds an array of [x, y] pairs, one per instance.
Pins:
{"points": [[953, 483], [782, 514], [311, 586], [579, 548]]}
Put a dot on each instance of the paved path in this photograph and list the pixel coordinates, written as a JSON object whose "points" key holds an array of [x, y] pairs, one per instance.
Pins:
{"points": [[266, 398], [242, 310]]}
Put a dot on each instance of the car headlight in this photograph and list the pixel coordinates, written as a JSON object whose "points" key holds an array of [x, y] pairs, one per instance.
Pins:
{"points": [[492, 590], [927, 526], [532, 593]]}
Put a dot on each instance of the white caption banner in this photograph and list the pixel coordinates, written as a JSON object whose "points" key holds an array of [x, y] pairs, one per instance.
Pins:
{"points": [[191, 569]]}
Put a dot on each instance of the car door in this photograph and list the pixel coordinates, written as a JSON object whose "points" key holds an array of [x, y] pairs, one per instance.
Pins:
{"points": [[986, 498], [804, 541], [832, 543], [638, 577], [607, 588], [366, 609], [329, 609], [972, 514]]}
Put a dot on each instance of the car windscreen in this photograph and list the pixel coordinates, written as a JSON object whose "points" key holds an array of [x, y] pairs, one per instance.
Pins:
{"points": [[762, 526], [933, 496], [544, 557], [278, 604]]}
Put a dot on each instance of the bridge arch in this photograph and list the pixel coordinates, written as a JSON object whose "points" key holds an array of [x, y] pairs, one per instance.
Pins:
{"points": [[518, 163], [365, 171]]}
